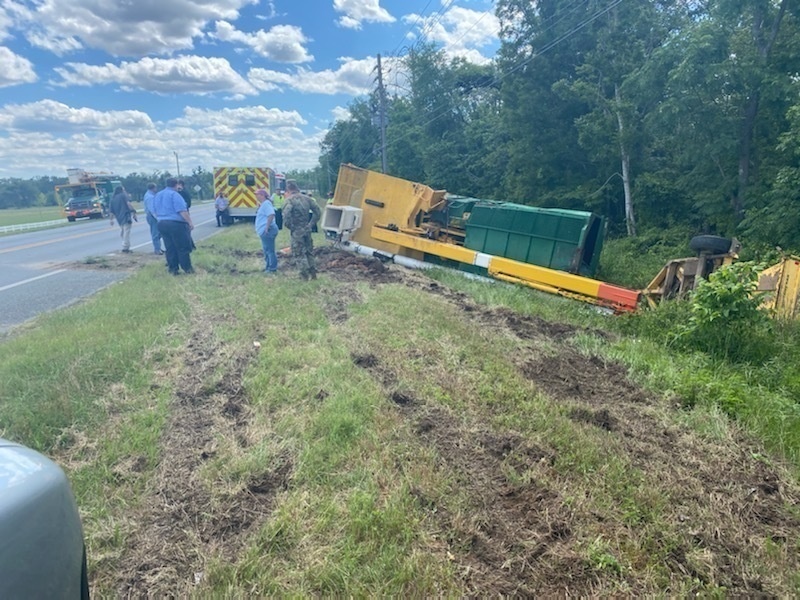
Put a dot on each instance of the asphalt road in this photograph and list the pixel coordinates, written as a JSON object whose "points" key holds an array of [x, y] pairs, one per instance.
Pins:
{"points": [[36, 273]]}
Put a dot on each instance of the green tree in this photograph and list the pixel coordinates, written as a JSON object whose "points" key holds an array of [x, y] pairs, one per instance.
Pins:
{"points": [[546, 164], [611, 81], [450, 101], [353, 140], [726, 102]]}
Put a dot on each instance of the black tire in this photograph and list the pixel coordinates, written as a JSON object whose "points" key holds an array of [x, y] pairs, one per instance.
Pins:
{"points": [[712, 244], [71, 219], [84, 578]]}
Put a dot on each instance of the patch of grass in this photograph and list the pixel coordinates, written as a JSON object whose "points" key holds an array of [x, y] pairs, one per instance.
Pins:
{"points": [[36, 214], [494, 293], [697, 381], [634, 261], [600, 557], [59, 373]]}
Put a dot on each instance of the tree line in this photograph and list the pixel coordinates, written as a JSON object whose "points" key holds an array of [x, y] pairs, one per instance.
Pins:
{"points": [[40, 191], [655, 114]]}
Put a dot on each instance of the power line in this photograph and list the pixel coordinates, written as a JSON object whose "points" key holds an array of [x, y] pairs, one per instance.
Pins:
{"points": [[571, 8], [410, 29], [535, 54], [431, 24]]}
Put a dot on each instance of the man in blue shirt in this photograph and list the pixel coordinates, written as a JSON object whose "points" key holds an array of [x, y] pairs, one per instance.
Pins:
{"points": [[175, 226], [267, 229], [149, 196]]}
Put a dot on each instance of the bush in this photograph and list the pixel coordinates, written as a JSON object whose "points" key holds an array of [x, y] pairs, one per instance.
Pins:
{"points": [[726, 320], [721, 318]]}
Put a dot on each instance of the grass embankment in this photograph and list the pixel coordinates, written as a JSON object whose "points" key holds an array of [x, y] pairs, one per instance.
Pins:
{"points": [[394, 434]]}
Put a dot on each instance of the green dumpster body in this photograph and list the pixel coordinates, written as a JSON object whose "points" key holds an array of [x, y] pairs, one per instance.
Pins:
{"points": [[566, 240]]}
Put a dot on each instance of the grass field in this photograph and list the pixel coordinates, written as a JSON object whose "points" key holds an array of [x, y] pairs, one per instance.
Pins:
{"points": [[384, 432], [20, 216]]}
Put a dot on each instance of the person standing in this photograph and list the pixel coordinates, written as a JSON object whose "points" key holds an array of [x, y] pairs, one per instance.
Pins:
{"points": [[310, 216], [221, 204], [187, 197], [175, 226], [300, 214], [149, 196], [277, 203], [122, 210], [267, 229]]}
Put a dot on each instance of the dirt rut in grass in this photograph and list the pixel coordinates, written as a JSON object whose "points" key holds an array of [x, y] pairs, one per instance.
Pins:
{"points": [[723, 507], [528, 528], [184, 521]]}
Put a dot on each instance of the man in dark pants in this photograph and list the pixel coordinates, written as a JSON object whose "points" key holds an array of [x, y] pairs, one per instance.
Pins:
{"points": [[175, 226], [300, 215]]}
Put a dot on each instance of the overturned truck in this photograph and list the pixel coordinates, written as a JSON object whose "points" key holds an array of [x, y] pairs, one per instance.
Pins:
{"points": [[551, 250]]}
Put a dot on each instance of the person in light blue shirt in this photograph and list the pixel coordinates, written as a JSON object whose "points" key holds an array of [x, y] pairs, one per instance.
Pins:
{"points": [[267, 229], [149, 196], [175, 226]]}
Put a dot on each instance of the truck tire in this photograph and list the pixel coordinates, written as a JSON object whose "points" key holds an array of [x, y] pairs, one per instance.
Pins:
{"points": [[711, 244], [71, 219], [84, 578]]}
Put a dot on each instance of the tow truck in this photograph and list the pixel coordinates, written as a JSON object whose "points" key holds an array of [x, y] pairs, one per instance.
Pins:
{"points": [[87, 193]]}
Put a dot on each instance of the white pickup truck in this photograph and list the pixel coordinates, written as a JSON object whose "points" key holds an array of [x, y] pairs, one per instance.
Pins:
{"points": [[42, 553]]}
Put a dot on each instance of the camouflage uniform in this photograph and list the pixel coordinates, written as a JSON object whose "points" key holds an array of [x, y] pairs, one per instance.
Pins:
{"points": [[297, 219]]}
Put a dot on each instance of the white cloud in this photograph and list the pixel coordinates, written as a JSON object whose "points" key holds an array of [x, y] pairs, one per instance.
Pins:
{"points": [[269, 13], [52, 116], [121, 28], [460, 31], [238, 119], [183, 74], [47, 137], [340, 113], [5, 24], [282, 43], [15, 69], [357, 12], [353, 77]]}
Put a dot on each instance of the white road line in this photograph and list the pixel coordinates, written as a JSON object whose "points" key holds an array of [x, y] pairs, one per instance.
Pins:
{"points": [[13, 285], [150, 242]]}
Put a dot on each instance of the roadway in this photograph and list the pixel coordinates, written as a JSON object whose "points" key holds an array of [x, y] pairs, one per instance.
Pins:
{"points": [[37, 271]]}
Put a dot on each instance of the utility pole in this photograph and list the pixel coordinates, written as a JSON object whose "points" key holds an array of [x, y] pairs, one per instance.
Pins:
{"points": [[177, 164], [382, 95]]}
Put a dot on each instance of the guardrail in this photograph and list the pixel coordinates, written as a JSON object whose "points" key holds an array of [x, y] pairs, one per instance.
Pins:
{"points": [[28, 226]]}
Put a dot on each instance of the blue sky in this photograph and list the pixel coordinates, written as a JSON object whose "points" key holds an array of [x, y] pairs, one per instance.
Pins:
{"points": [[124, 85]]}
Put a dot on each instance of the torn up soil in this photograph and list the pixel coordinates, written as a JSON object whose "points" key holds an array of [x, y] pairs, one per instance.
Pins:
{"points": [[528, 529], [183, 521], [723, 506]]}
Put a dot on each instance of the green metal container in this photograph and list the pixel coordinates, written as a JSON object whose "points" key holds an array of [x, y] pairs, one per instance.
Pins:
{"points": [[455, 212], [566, 240]]}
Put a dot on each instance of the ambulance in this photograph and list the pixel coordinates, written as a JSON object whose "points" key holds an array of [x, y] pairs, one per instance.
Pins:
{"points": [[239, 185]]}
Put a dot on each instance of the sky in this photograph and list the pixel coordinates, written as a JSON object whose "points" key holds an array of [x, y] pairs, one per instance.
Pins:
{"points": [[160, 85]]}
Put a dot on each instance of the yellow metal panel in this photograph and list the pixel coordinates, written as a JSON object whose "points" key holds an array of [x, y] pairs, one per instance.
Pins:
{"points": [[384, 200], [544, 276], [782, 284], [422, 245], [541, 278]]}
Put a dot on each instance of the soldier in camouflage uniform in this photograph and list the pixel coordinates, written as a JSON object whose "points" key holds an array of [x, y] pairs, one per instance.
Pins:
{"points": [[300, 214]]}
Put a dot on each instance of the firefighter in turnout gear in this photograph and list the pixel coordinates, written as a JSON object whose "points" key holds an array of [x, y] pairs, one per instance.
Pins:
{"points": [[300, 214]]}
